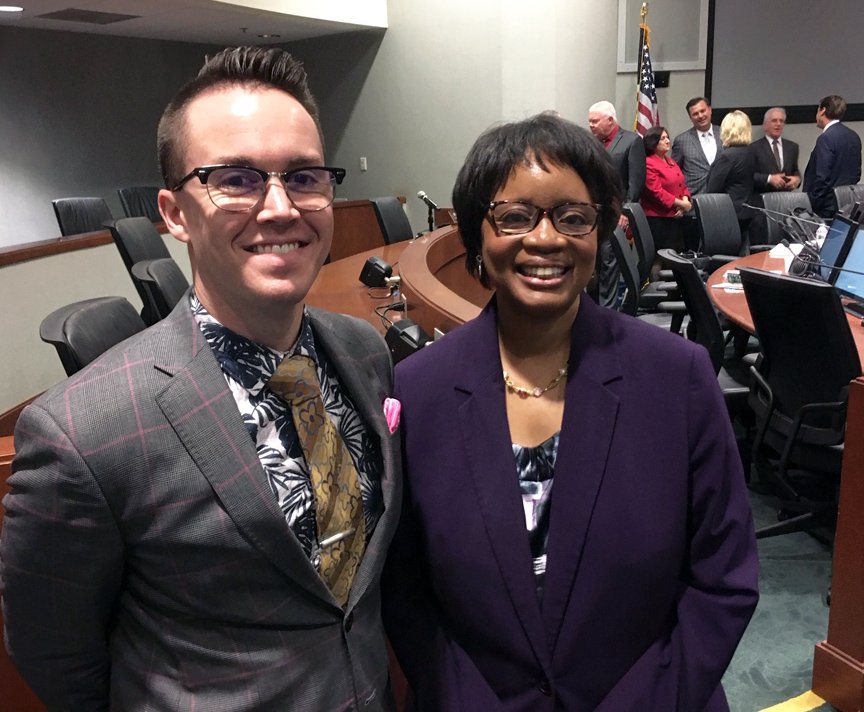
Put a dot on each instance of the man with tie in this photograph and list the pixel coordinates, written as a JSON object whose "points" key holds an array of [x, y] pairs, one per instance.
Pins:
{"points": [[695, 150], [198, 520], [627, 152], [776, 157], [836, 157]]}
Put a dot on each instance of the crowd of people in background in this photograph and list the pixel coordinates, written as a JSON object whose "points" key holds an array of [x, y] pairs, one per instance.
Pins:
{"points": [[664, 174]]}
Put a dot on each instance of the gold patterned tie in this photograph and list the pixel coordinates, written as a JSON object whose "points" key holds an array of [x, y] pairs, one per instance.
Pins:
{"points": [[335, 484]]}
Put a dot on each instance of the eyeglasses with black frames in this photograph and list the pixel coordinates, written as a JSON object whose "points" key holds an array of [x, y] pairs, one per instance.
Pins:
{"points": [[238, 189], [517, 217]]}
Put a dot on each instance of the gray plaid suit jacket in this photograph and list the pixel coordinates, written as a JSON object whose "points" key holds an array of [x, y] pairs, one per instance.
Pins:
{"points": [[688, 154], [146, 562]]}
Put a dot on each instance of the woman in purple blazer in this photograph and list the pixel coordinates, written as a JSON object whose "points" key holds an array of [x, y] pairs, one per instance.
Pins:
{"points": [[576, 533]]}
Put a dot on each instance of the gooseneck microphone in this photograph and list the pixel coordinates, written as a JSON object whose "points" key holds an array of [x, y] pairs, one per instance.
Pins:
{"points": [[426, 199], [813, 258], [792, 223]]}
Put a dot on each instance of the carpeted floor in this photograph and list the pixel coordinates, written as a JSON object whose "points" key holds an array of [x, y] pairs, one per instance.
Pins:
{"points": [[775, 658]]}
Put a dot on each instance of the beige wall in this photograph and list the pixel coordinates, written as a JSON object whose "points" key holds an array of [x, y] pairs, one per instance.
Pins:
{"points": [[31, 290]]}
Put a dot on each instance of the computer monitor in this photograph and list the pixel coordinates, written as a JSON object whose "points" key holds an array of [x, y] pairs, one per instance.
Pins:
{"points": [[850, 280], [832, 247]]}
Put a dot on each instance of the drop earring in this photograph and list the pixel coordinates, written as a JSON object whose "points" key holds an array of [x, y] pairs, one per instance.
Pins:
{"points": [[479, 261]]}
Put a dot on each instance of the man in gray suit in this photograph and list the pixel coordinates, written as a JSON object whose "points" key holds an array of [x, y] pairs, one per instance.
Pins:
{"points": [[628, 154], [695, 149], [162, 546]]}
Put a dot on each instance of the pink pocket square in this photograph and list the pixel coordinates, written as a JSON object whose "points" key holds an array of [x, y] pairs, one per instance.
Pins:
{"points": [[392, 409]]}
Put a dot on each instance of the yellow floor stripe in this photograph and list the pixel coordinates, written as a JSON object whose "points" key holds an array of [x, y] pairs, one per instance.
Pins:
{"points": [[803, 703]]}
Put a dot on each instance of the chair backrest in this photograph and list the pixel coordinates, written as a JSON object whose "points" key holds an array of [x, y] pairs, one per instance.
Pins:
{"points": [[847, 196], [137, 240], [719, 232], [84, 330], [809, 354], [140, 201], [628, 264], [767, 231], [704, 327], [392, 219], [163, 282], [77, 215], [643, 238]]}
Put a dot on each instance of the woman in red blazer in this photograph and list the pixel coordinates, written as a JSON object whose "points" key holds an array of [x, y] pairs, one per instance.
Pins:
{"points": [[576, 534], [666, 197]]}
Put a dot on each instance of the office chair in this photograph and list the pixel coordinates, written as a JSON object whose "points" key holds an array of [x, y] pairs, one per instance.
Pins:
{"points": [[704, 328], [651, 293], [137, 240], [163, 282], [392, 220], [626, 257], [719, 233], [83, 331], [847, 196], [799, 390], [140, 201], [77, 215], [767, 231]]}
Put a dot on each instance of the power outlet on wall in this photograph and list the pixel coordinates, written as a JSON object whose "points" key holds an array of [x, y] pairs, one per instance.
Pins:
{"points": [[363, 165]]}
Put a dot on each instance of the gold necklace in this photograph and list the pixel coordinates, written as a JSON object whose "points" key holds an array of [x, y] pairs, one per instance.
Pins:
{"points": [[536, 392]]}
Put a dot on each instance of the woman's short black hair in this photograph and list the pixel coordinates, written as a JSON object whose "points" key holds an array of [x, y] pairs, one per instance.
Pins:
{"points": [[652, 138], [545, 139]]}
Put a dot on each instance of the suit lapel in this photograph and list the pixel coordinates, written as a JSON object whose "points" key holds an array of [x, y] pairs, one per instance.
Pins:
{"points": [[201, 410], [488, 455], [590, 414], [367, 393]]}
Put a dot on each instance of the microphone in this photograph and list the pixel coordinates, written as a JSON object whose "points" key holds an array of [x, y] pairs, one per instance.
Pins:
{"points": [[789, 222], [426, 199], [813, 258]]}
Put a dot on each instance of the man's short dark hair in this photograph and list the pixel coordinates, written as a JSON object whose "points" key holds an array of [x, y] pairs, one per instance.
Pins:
{"points": [[248, 66], [835, 107], [695, 100], [545, 140]]}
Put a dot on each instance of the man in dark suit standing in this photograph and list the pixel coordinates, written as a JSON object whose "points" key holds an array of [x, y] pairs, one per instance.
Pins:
{"points": [[776, 157], [627, 152], [836, 158], [695, 150], [173, 539]]}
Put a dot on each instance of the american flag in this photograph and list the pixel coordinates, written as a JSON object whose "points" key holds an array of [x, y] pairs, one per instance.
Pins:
{"points": [[647, 114]]}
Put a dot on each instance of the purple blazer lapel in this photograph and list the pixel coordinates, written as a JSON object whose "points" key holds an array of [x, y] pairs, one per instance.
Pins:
{"points": [[204, 416], [590, 413], [488, 457]]}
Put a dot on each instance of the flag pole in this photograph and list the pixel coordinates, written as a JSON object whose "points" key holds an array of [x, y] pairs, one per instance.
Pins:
{"points": [[643, 13]]}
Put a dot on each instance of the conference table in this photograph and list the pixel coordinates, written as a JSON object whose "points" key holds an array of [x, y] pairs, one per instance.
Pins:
{"points": [[438, 291], [730, 300]]}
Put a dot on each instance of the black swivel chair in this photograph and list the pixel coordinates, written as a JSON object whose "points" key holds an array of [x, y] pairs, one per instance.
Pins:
{"points": [[163, 282], [77, 215], [799, 391], [84, 330], [704, 328], [719, 232], [847, 196], [651, 293], [766, 230], [627, 259], [392, 220], [137, 240], [140, 201]]}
